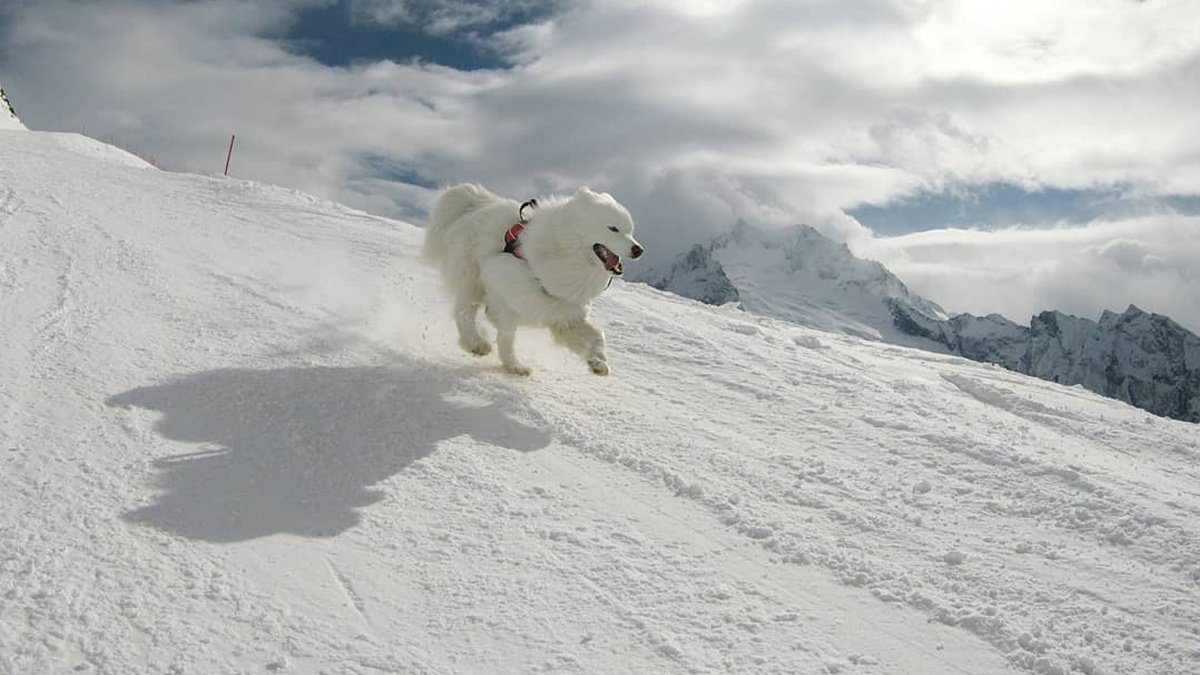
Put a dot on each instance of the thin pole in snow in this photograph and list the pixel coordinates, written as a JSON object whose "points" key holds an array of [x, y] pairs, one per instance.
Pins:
{"points": [[229, 155]]}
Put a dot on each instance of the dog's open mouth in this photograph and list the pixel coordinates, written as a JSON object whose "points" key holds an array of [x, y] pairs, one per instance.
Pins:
{"points": [[612, 261]]}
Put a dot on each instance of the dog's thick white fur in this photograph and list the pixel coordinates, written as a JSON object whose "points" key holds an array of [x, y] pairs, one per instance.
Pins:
{"points": [[571, 248]]}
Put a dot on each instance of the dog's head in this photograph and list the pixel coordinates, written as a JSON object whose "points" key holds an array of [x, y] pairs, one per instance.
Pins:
{"points": [[605, 226]]}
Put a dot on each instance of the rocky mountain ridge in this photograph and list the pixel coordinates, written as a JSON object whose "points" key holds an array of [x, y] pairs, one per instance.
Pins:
{"points": [[8, 116], [1142, 358]]}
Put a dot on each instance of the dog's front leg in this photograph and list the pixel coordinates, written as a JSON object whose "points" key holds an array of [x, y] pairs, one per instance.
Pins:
{"points": [[585, 339], [506, 334]]}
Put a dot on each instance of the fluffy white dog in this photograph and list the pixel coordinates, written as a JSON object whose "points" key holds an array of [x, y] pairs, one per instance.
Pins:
{"points": [[529, 265]]}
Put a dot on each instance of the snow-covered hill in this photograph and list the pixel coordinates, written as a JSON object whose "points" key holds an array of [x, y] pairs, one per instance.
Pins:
{"points": [[8, 117], [236, 435], [798, 275]]}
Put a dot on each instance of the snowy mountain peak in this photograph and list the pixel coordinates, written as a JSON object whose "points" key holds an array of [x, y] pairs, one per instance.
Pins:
{"points": [[697, 275], [801, 244], [796, 274], [8, 116], [1131, 313]]}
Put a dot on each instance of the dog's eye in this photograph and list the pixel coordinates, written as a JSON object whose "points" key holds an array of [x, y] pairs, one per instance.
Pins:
{"points": [[612, 228]]}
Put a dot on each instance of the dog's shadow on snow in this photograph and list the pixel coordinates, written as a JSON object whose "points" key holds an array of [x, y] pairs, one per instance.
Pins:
{"points": [[298, 450]]}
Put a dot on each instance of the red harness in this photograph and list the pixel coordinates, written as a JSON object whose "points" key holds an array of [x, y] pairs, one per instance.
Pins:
{"points": [[511, 243]]}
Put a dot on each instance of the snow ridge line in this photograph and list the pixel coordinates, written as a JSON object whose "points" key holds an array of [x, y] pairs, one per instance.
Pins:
{"points": [[347, 586]]}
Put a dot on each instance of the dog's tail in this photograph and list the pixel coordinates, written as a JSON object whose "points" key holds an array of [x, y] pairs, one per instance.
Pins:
{"points": [[451, 205]]}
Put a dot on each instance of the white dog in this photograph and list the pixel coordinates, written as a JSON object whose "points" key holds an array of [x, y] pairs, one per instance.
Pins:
{"points": [[545, 270]]}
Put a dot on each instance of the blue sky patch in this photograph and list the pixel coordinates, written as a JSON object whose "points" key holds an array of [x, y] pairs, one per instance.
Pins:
{"points": [[336, 36], [387, 168], [997, 205]]}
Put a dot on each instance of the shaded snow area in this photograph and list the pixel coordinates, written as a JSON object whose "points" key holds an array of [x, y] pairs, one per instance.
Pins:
{"points": [[237, 435]]}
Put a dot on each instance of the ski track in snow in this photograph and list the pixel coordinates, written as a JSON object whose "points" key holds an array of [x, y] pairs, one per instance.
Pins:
{"points": [[238, 436]]}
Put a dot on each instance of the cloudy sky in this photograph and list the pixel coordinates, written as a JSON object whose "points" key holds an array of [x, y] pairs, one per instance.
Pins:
{"points": [[999, 157]]}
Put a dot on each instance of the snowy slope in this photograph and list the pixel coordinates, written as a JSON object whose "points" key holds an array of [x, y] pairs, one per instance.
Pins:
{"points": [[236, 435], [798, 275], [8, 117]]}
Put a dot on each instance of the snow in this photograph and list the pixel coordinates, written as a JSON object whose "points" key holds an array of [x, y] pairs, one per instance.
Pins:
{"points": [[237, 435]]}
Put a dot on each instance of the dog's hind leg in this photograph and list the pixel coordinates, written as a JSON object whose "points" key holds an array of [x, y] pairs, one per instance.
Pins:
{"points": [[585, 339], [466, 314], [506, 335]]}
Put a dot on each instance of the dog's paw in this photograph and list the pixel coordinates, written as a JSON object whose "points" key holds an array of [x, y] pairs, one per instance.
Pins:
{"points": [[598, 366], [519, 369], [480, 348]]}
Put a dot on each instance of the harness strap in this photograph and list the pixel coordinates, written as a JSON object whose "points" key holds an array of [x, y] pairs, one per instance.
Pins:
{"points": [[511, 242]]}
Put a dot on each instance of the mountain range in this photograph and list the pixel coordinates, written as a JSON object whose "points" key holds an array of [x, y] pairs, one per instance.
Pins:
{"points": [[799, 275]]}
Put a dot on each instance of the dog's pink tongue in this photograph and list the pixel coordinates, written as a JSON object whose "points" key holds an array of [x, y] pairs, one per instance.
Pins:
{"points": [[612, 262]]}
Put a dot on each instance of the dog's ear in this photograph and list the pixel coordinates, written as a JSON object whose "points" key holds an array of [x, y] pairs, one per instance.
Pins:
{"points": [[584, 192]]}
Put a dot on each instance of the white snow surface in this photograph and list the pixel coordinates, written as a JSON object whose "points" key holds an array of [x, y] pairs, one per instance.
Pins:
{"points": [[237, 435]]}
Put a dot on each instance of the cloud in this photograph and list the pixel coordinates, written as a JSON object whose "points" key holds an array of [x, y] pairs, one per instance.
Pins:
{"points": [[176, 80], [902, 95], [696, 113], [1152, 262]]}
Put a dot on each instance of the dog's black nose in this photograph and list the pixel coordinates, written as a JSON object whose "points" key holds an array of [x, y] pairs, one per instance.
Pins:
{"points": [[636, 251]]}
